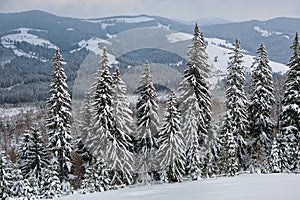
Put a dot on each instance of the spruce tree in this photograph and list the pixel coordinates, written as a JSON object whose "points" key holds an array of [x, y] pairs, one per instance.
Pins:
{"points": [[59, 119], [81, 146], [274, 158], [96, 178], [120, 158], [147, 124], [290, 113], [260, 108], [51, 185], [236, 103], [228, 157], [193, 151], [21, 187], [195, 105], [171, 150], [210, 164], [36, 159], [102, 120], [5, 177]]}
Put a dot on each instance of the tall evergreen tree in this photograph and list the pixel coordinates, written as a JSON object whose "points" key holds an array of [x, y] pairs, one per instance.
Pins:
{"points": [[274, 158], [236, 102], [120, 152], [171, 150], [36, 159], [102, 120], [290, 113], [210, 168], [260, 108], [52, 186], [59, 119], [96, 178], [21, 187], [147, 121], [85, 128], [5, 177], [228, 157], [195, 104]]}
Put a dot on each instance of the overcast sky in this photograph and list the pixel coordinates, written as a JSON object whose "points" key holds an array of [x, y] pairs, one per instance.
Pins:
{"points": [[236, 10]]}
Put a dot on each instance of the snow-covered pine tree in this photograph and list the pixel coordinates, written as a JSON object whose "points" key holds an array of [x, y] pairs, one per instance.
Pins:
{"points": [[5, 177], [120, 158], [34, 157], [210, 165], [274, 158], [85, 128], [171, 152], [260, 107], [21, 187], [195, 105], [228, 160], [147, 121], [290, 113], [96, 178], [102, 120], [51, 185], [59, 119], [236, 103], [194, 152]]}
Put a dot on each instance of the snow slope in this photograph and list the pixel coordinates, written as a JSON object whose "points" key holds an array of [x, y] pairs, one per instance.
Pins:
{"points": [[8, 41], [243, 187], [92, 44]]}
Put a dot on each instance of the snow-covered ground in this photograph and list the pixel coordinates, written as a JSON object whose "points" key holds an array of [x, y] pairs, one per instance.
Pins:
{"points": [[10, 112], [242, 187], [92, 44], [8, 41]]}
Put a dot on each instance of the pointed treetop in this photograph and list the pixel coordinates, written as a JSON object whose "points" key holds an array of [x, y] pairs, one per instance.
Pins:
{"points": [[118, 73], [104, 59], [296, 46], [57, 58], [237, 43]]}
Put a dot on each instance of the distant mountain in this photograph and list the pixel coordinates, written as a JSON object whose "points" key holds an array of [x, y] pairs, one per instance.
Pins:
{"points": [[28, 40], [208, 21], [277, 34]]}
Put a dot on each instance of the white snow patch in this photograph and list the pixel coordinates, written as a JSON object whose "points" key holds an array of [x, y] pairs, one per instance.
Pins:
{"points": [[242, 187], [266, 33], [105, 25], [263, 32], [10, 112], [179, 37], [219, 57], [92, 44], [159, 25], [220, 42], [70, 29], [8, 41], [111, 36], [222, 55], [286, 36]]}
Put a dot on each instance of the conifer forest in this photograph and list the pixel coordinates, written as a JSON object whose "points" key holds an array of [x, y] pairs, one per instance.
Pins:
{"points": [[118, 143]]}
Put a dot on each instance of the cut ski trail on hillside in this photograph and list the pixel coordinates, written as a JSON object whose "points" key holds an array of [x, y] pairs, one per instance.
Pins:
{"points": [[243, 187]]}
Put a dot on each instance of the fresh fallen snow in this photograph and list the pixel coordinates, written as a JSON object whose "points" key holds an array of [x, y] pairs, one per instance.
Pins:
{"points": [[242, 187]]}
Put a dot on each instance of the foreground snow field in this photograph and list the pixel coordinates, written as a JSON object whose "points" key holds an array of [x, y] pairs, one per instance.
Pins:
{"points": [[242, 187]]}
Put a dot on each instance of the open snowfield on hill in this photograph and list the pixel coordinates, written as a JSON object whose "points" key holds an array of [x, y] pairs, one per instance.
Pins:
{"points": [[242, 187]]}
